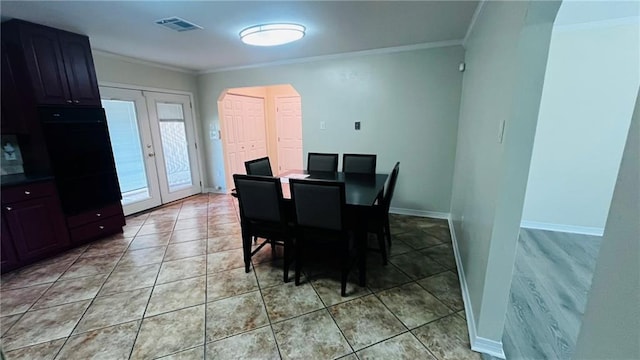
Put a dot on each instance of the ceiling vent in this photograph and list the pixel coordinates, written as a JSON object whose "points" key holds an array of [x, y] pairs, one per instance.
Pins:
{"points": [[177, 24]]}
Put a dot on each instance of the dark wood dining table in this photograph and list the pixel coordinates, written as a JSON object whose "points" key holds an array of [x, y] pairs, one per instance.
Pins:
{"points": [[361, 193]]}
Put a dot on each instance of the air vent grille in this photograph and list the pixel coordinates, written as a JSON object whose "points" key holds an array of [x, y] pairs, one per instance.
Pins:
{"points": [[177, 24]]}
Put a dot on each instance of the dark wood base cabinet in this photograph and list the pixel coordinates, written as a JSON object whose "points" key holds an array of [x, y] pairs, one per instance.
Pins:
{"points": [[96, 223], [33, 225]]}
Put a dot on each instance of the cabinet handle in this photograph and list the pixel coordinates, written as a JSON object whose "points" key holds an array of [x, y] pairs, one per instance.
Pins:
{"points": [[69, 101], [98, 214], [101, 227], [9, 208], [76, 101], [27, 192]]}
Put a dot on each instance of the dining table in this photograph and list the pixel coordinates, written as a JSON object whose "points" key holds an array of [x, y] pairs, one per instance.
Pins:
{"points": [[361, 193]]}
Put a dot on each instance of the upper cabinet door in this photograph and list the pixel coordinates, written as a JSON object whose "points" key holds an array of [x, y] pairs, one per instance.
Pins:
{"points": [[78, 63], [45, 65], [12, 100]]}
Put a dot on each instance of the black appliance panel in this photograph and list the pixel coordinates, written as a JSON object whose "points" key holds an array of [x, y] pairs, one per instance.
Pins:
{"points": [[71, 115], [77, 149], [81, 157], [85, 193]]}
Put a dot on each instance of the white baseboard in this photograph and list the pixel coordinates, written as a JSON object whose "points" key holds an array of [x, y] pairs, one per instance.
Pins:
{"points": [[585, 230], [421, 213], [213, 190], [479, 344]]}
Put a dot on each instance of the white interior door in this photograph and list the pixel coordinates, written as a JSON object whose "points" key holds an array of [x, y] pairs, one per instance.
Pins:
{"points": [[243, 132], [289, 128], [130, 133], [175, 147], [153, 140]]}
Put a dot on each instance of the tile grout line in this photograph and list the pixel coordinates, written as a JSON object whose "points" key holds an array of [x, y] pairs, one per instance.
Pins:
{"points": [[85, 310], [135, 340]]}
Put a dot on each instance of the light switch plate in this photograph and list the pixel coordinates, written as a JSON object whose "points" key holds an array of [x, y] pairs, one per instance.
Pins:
{"points": [[323, 125], [357, 125]]}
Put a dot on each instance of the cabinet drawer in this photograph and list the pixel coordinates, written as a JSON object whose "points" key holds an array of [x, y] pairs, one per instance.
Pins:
{"points": [[94, 215], [27, 192], [97, 229]]}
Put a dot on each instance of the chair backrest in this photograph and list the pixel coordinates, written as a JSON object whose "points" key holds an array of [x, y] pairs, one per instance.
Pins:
{"points": [[359, 163], [318, 204], [260, 167], [388, 195], [260, 198], [322, 162]]}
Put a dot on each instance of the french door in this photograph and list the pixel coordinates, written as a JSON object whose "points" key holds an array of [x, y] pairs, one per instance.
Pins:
{"points": [[153, 141]]}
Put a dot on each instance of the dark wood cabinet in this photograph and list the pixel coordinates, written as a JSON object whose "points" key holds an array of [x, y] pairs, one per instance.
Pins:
{"points": [[50, 99], [79, 69], [59, 64], [8, 258], [96, 223], [34, 221], [13, 121]]}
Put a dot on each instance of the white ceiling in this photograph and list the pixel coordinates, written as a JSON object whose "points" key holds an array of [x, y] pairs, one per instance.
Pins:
{"points": [[127, 27]]}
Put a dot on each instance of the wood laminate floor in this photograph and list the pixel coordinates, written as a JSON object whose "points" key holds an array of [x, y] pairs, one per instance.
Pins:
{"points": [[549, 289]]}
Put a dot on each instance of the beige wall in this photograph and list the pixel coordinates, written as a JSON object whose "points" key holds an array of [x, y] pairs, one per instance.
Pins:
{"points": [[610, 327], [117, 69], [506, 58], [583, 122], [407, 103]]}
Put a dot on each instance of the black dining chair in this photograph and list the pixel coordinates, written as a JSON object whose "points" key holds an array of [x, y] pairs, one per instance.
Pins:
{"points": [[359, 163], [263, 214], [379, 216], [320, 219], [260, 166], [322, 162]]}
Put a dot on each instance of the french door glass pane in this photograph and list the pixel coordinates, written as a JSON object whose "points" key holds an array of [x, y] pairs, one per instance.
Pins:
{"points": [[174, 146], [127, 149]]}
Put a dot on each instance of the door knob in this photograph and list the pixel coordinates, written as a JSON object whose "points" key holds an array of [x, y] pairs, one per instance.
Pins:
{"points": [[152, 154], [9, 208], [27, 192]]}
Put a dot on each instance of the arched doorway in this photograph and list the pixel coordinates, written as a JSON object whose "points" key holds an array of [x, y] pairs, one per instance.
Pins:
{"points": [[260, 121]]}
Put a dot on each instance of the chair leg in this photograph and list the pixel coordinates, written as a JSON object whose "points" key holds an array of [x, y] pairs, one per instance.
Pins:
{"points": [[298, 260], [382, 245], [287, 245], [345, 269], [387, 229], [246, 247]]}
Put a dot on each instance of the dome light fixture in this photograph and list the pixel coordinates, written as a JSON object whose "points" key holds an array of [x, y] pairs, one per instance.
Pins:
{"points": [[272, 34]]}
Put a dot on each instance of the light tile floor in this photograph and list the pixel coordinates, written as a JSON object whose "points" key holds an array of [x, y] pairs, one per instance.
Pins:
{"points": [[172, 286]]}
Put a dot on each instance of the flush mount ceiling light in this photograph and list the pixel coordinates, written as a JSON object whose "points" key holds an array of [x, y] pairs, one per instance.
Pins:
{"points": [[272, 34]]}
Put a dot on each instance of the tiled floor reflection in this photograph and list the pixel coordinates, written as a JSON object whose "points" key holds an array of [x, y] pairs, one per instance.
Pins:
{"points": [[172, 286]]}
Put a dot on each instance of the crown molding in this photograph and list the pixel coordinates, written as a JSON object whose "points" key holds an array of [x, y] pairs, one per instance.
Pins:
{"points": [[472, 24], [142, 62], [387, 50]]}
